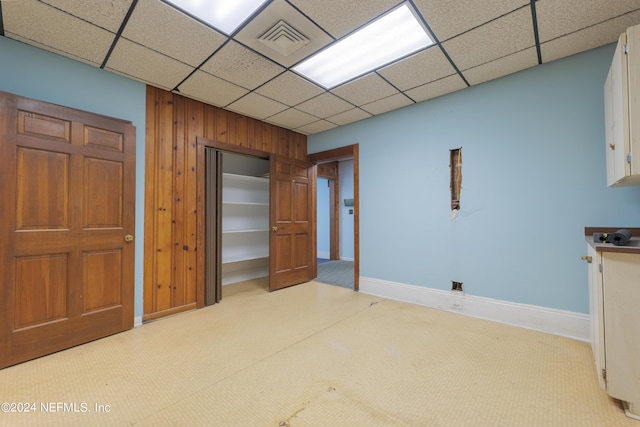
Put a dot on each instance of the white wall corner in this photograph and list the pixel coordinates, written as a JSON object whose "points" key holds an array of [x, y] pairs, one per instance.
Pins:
{"points": [[557, 322]]}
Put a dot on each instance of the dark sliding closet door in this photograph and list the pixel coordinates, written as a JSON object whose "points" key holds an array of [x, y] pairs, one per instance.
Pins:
{"points": [[213, 226]]}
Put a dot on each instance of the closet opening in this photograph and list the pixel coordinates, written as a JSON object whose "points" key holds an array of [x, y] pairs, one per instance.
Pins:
{"points": [[236, 221]]}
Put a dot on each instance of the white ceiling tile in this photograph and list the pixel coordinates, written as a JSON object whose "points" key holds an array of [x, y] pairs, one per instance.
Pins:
{"points": [[324, 105], [438, 88], [316, 127], [560, 17], [342, 17], [106, 14], [387, 104], [210, 89], [144, 64], [365, 90], [49, 48], [504, 36], [588, 38], [450, 18], [257, 106], [350, 116], [56, 30], [421, 68], [239, 65], [292, 119], [163, 28], [290, 89], [501, 67]]}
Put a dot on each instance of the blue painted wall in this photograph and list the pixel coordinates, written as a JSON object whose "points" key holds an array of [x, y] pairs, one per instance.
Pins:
{"points": [[35, 73], [533, 176]]}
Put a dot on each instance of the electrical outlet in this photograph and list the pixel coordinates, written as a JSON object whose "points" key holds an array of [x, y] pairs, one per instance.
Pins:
{"points": [[456, 286]]}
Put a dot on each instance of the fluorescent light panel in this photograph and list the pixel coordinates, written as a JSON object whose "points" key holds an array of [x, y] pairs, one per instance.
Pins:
{"points": [[224, 15], [382, 42]]}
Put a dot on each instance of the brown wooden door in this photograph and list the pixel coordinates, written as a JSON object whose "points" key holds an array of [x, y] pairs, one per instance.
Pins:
{"points": [[292, 245], [67, 189]]}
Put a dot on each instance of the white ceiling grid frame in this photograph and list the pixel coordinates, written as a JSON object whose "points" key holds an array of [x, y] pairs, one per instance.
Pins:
{"points": [[162, 28], [34, 21]]}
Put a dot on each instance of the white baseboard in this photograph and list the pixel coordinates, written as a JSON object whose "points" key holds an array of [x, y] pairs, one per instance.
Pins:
{"points": [[558, 322], [323, 255], [343, 258], [137, 321]]}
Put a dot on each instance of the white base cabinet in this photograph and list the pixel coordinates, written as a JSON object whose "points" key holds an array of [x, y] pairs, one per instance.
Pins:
{"points": [[614, 299]]}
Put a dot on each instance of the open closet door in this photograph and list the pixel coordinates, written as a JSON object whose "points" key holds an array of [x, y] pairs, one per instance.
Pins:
{"points": [[213, 226], [292, 244]]}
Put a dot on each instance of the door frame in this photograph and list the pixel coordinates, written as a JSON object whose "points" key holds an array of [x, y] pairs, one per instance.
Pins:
{"points": [[202, 144], [349, 152]]}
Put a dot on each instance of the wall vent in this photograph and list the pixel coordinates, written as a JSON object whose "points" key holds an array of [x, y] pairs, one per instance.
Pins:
{"points": [[283, 38]]}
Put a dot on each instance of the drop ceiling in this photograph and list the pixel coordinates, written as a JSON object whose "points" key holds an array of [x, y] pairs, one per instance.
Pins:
{"points": [[250, 72]]}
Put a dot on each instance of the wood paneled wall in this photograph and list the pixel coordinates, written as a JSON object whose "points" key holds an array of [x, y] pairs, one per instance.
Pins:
{"points": [[173, 124]]}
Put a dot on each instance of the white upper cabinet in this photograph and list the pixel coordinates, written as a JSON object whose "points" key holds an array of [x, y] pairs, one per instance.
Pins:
{"points": [[622, 111]]}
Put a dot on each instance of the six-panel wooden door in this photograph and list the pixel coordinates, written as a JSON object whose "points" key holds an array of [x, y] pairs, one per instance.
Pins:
{"points": [[292, 245], [67, 193]]}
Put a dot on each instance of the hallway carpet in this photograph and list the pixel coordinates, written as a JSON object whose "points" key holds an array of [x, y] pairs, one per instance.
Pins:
{"points": [[313, 355], [336, 272]]}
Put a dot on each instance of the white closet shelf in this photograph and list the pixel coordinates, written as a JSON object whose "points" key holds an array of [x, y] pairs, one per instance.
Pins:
{"points": [[246, 177], [245, 203], [244, 257], [257, 230]]}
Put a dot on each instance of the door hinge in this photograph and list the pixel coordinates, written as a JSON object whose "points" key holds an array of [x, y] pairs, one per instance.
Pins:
{"points": [[625, 49], [599, 268], [604, 374], [629, 158]]}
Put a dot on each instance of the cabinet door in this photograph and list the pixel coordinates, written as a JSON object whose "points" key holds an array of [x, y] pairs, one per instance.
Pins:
{"points": [[621, 292], [633, 81], [596, 312], [616, 116]]}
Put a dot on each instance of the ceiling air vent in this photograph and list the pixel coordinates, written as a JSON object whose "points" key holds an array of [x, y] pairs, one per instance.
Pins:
{"points": [[283, 38]]}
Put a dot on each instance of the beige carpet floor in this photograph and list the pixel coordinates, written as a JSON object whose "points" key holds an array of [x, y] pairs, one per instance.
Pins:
{"points": [[313, 355]]}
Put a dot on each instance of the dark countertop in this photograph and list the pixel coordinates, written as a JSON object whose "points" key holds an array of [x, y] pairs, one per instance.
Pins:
{"points": [[632, 247]]}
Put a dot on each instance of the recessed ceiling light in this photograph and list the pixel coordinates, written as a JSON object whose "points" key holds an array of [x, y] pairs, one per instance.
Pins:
{"points": [[223, 15], [385, 40]]}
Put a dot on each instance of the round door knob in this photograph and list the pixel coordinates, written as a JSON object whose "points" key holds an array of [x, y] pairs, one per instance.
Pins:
{"points": [[128, 238]]}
